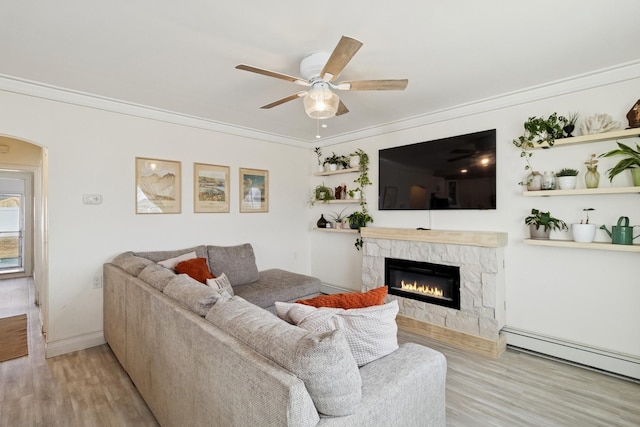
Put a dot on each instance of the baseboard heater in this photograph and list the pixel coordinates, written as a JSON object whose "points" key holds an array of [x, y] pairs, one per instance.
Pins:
{"points": [[593, 357]]}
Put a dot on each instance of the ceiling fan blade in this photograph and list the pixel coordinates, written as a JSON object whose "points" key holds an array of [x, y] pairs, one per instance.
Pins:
{"points": [[283, 100], [298, 80], [342, 109], [374, 85], [340, 57]]}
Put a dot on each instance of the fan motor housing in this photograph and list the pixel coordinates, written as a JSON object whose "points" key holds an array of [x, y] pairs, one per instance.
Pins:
{"points": [[312, 65]]}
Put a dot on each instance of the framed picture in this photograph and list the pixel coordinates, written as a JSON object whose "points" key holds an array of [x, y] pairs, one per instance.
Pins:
{"points": [[157, 186], [254, 190], [210, 188]]}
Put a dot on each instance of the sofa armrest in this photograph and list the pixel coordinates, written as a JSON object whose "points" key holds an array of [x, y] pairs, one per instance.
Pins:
{"points": [[405, 388]]}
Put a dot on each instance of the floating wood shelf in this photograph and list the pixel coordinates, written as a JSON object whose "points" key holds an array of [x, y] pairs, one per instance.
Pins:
{"points": [[346, 201], [594, 245], [337, 172], [582, 191], [596, 137], [336, 230]]}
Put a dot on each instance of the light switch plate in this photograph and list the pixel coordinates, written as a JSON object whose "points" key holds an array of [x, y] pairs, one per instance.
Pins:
{"points": [[91, 199]]}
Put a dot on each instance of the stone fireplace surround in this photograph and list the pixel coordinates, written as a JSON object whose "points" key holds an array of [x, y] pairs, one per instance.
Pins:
{"points": [[480, 256]]}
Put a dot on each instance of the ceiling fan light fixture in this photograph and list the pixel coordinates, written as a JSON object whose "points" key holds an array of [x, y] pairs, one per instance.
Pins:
{"points": [[320, 103]]}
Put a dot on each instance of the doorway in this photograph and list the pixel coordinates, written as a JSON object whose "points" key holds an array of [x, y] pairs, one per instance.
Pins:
{"points": [[16, 223]]}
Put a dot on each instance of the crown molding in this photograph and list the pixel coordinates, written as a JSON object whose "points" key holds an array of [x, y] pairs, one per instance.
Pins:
{"points": [[602, 77]]}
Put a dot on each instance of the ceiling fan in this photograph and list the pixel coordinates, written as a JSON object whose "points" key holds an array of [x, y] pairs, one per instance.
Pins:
{"points": [[319, 71]]}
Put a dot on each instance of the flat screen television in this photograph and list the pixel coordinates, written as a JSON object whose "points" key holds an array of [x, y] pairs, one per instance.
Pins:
{"points": [[450, 173]]}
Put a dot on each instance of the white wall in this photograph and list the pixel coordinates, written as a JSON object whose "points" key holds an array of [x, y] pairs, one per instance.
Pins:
{"points": [[584, 296], [93, 151]]}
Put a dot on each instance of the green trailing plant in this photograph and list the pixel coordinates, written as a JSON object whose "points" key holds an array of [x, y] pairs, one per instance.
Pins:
{"points": [[321, 193], [545, 220], [567, 172], [358, 220], [361, 218], [631, 161], [538, 130]]}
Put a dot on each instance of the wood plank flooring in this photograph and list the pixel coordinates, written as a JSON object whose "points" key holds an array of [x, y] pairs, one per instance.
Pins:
{"points": [[89, 388]]}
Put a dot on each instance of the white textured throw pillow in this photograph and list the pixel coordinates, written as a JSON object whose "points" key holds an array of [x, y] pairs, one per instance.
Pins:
{"points": [[222, 285], [371, 332], [172, 262]]}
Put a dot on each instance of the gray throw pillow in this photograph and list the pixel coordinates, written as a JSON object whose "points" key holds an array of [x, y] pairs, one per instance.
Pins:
{"points": [[130, 263], [194, 295], [237, 262], [157, 276], [322, 361]]}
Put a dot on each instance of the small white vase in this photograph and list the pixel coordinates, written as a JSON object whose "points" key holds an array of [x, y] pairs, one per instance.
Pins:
{"points": [[333, 167], [320, 168], [583, 233], [567, 182], [354, 161]]}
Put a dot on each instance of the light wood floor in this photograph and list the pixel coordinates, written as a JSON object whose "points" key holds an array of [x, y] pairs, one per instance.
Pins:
{"points": [[89, 388]]}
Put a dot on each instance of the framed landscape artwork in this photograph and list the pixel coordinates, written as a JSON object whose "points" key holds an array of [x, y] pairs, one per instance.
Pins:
{"points": [[157, 186], [254, 190], [210, 188]]}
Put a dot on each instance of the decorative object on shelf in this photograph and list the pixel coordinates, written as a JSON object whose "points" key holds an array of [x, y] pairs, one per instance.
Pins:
{"points": [[548, 180], [633, 116], [541, 223], [254, 190], [592, 177], [584, 232], [538, 130], [338, 218], [338, 192], [354, 160], [157, 186], [631, 162], [211, 188], [322, 222], [318, 152], [534, 181], [599, 123], [570, 126], [621, 234], [332, 161], [567, 178]]}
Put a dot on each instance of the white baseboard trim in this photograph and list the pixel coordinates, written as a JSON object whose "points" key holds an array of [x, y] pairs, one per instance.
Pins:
{"points": [[68, 345], [614, 362]]}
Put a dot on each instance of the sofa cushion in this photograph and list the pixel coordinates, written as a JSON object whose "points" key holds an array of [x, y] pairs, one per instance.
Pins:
{"points": [[237, 262], [157, 256], [192, 294], [157, 276], [371, 331], [322, 361], [349, 300], [131, 263], [196, 268], [221, 285], [278, 285]]}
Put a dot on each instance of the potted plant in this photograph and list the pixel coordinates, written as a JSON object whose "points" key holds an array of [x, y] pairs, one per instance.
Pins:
{"points": [[338, 218], [321, 193], [570, 125], [584, 232], [318, 152], [567, 178], [538, 130], [357, 220], [333, 161], [630, 162], [541, 223]]}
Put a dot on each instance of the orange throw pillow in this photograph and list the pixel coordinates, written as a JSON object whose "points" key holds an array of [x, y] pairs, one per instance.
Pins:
{"points": [[195, 268], [348, 300]]}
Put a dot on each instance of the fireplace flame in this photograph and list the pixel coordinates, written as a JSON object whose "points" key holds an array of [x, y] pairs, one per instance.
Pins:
{"points": [[423, 289]]}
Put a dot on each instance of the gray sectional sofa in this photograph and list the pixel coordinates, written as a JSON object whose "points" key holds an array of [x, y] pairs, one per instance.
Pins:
{"points": [[199, 359]]}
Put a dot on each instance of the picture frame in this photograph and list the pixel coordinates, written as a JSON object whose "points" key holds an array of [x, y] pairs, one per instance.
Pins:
{"points": [[158, 186], [254, 190], [210, 188]]}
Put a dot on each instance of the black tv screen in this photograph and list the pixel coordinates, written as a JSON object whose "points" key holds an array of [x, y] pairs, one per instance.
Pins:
{"points": [[450, 173]]}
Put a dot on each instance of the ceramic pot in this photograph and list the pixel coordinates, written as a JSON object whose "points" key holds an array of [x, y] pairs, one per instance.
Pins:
{"points": [[583, 233], [635, 174], [354, 161], [567, 182], [592, 177], [333, 167], [534, 181], [540, 233]]}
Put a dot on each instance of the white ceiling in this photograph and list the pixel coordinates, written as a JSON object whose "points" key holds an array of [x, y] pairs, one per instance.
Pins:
{"points": [[180, 56]]}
